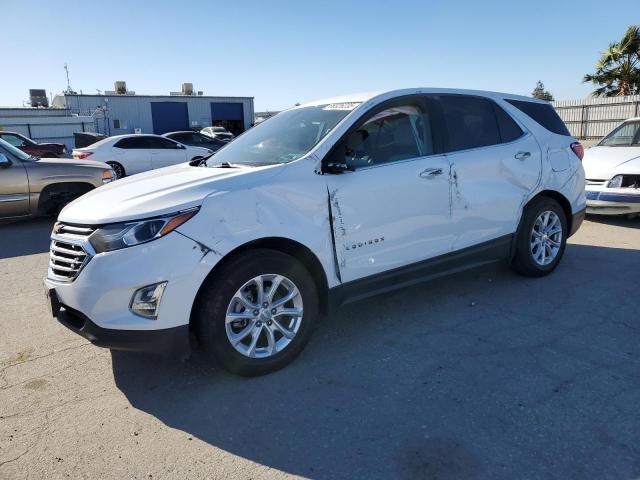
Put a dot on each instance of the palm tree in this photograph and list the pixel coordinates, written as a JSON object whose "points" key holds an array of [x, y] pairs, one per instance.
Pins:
{"points": [[618, 70]]}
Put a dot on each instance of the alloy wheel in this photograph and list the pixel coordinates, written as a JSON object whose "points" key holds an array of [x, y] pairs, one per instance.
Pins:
{"points": [[546, 238], [264, 316]]}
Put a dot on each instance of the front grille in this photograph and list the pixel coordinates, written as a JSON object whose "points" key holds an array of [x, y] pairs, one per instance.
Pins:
{"points": [[69, 252], [591, 181]]}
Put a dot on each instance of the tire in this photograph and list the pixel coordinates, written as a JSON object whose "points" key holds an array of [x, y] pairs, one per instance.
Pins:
{"points": [[550, 247], [118, 169], [219, 297]]}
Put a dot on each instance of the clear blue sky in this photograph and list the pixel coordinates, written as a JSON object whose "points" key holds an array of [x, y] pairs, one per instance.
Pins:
{"points": [[282, 52]]}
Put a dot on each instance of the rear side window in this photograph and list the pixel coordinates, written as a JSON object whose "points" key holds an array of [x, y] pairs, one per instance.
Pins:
{"points": [[471, 122], [132, 143], [543, 114], [509, 129]]}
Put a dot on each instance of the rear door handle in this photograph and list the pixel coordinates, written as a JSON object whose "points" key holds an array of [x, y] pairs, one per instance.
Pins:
{"points": [[522, 155], [430, 172]]}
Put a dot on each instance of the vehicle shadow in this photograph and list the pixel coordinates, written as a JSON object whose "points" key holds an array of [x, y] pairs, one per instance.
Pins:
{"points": [[25, 237], [481, 375], [615, 220]]}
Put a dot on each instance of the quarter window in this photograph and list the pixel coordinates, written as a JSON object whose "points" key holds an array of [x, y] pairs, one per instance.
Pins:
{"points": [[470, 122], [543, 114], [394, 134]]}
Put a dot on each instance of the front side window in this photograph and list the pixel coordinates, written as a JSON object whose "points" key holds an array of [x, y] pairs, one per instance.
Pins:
{"points": [[470, 122], [283, 138], [394, 134], [625, 135], [161, 143]]}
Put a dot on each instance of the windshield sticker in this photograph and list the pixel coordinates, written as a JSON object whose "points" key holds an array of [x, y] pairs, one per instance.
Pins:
{"points": [[342, 106]]}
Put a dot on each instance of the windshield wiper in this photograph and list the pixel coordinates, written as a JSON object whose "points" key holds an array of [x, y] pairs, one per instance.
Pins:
{"points": [[228, 165]]}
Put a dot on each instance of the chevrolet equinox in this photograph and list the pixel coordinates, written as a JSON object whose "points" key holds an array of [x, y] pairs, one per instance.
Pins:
{"points": [[326, 203]]}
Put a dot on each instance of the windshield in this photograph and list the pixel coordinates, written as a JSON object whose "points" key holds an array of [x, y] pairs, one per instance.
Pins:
{"points": [[282, 138], [16, 152], [625, 135]]}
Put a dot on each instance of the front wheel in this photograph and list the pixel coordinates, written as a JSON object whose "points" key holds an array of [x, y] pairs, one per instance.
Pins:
{"points": [[257, 313], [541, 238]]}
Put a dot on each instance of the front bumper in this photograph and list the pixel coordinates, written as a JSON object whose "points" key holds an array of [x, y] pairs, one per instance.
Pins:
{"points": [[616, 202], [167, 341], [96, 304]]}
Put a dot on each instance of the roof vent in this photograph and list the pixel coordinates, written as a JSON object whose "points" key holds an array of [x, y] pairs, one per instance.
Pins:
{"points": [[120, 87], [187, 89]]}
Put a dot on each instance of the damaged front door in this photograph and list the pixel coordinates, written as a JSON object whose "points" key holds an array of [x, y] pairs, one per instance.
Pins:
{"points": [[393, 207]]}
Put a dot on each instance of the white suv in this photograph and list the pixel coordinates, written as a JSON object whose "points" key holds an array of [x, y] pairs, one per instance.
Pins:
{"points": [[326, 203], [135, 153]]}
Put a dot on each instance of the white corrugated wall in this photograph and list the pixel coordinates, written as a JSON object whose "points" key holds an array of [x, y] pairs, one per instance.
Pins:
{"points": [[593, 118]]}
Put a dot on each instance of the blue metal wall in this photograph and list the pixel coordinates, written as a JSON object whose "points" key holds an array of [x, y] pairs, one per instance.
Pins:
{"points": [[169, 117], [226, 111], [134, 111]]}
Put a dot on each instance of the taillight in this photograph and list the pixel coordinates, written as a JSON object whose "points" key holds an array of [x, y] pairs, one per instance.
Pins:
{"points": [[578, 149], [81, 155]]}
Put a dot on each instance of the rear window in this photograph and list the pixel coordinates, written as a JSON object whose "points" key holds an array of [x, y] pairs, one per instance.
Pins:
{"points": [[543, 114]]}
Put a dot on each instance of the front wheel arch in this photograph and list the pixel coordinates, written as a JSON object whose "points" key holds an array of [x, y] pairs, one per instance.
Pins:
{"points": [[55, 195], [284, 245]]}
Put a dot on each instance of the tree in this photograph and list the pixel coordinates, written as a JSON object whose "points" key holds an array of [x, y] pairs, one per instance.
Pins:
{"points": [[618, 70], [541, 93]]}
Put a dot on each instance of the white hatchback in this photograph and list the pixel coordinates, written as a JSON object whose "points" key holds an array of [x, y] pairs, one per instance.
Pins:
{"points": [[612, 169], [131, 154], [326, 203]]}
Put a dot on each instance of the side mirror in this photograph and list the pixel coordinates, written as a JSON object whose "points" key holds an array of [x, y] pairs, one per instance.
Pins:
{"points": [[336, 167], [336, 163], [4, 161]]}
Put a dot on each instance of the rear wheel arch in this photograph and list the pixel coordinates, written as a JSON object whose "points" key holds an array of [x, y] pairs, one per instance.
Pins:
{"points": [[283, 245], [558, 197], [561, 199]]}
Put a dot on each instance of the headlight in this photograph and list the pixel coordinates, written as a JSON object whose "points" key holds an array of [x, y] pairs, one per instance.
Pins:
{"points": [[108, 176], [127, 234], [615, 182]]}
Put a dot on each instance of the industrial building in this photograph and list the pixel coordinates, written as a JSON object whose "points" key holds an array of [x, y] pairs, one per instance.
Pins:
{"points": [[121, 111], [45, 124]]}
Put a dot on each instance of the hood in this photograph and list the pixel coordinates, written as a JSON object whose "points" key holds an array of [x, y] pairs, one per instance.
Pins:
{"points": [[602, 163], [72, 162], [158, 192]]}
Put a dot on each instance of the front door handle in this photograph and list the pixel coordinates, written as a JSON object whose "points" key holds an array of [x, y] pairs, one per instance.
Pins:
{"points": [[522, 155], [430, 172]]}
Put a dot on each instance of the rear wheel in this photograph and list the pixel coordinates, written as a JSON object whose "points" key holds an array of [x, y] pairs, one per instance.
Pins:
{"points": [[541, 238], [118, 169], [258, 312]]}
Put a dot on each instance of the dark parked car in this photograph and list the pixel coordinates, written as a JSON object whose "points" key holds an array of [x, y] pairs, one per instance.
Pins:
{"points": [[47, 150], [196, 139]]}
